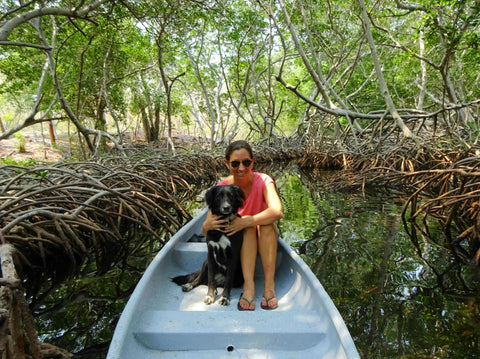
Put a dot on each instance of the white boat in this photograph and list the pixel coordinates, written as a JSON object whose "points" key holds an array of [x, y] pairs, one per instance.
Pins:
{"points": [[161, 321]]}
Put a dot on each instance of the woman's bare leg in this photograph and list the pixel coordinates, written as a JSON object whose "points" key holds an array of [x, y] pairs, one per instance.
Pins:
{"points": [[267, 248], [248, 257]]}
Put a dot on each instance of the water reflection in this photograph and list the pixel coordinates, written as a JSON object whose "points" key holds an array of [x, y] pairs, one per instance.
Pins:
{"points": [[401, 296]]}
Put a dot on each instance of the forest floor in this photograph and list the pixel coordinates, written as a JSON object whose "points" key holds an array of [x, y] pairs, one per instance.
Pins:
{"points": [[35, 149], [39, 149]]}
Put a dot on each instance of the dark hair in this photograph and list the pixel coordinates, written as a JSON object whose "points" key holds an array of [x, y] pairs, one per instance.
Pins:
{"points": [[238, 145]]}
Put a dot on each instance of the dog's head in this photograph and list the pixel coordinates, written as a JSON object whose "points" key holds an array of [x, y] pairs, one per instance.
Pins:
{"points": [[225, 200]]}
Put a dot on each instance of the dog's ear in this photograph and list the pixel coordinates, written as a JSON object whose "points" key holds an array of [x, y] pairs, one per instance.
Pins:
{"points": [[240, 192], [210, 195], [239, 195]]}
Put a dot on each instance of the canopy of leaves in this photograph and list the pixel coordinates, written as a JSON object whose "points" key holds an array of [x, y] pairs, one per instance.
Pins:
{"points": [[256, 69]]}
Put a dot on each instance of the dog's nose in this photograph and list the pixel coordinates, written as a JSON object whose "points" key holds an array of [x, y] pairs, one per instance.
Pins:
{"points": [[226, 208]]}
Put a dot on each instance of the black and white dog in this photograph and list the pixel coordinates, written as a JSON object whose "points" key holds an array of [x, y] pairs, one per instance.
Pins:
{"points": [[222, 267]]}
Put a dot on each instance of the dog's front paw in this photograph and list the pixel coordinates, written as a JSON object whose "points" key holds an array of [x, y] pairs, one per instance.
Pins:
{"points": [[224, 301], [187, 287], [209, 300]]}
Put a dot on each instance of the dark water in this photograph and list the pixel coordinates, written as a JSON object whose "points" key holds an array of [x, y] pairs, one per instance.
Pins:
{"points": [[401, 297]]}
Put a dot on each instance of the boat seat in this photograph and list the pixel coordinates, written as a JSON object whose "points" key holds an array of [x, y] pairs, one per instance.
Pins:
{"points": [[191, 247], [203, 330], [191, 255]]}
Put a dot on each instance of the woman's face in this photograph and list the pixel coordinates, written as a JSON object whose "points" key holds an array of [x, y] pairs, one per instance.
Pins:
{"points": [[240, 164]]}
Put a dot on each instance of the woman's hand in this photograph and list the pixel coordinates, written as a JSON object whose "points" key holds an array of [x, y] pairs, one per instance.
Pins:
{"points": [[239, 224], [214, 222]]}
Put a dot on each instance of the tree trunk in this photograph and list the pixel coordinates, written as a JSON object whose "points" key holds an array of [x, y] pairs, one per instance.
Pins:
{"points": [[147, 129], [51, 131], [423, 65], [18, 337], [167, 87], [101, 125], [2, 127], [378, 69], [63, 101], [211, 112]]}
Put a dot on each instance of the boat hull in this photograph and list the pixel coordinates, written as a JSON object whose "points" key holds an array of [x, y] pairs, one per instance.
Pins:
{"points": [[161, 321]]}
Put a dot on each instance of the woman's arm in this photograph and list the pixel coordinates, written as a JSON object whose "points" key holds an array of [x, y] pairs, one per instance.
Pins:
{"points": [[213, 222], [272, 213]]}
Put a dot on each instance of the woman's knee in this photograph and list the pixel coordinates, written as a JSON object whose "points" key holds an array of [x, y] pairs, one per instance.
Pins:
{"points": [[268, 232], [250, 233]]}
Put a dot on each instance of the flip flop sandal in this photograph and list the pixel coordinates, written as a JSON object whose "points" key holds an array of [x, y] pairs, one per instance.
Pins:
{"points": [[240, 308], [267, 306]]}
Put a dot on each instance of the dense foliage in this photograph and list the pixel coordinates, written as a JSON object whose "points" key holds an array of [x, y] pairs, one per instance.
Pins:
{"points": [[353, 73]]}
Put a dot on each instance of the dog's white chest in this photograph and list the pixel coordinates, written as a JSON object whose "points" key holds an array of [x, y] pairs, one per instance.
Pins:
{"points": [[223, 243], [219, 249]]}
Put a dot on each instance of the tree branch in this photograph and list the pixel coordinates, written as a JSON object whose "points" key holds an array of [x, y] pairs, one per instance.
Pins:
{"points": [[378, 69], [25, 44], [16, 21]]}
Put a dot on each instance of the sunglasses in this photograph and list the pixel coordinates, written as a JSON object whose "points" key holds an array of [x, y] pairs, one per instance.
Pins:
{"points": [[246, 163]]}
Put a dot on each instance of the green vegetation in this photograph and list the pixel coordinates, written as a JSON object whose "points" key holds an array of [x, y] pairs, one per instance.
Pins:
{"points": [[22, 163], [360, 75], [20, 142]]}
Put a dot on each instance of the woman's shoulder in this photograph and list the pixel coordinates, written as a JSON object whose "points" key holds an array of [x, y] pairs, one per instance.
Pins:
{"points": [[227, 180], [263, 177]]}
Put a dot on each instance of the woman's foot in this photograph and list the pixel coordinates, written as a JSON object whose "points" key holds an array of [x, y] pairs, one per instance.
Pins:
{"points": [[269, 300], [246, 304]]}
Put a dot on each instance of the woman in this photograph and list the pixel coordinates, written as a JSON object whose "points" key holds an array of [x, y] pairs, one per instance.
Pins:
{"points": [[258, 215]]}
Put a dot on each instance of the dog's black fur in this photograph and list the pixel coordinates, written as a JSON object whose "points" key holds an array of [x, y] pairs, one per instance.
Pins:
{"points": [[222, 267]]}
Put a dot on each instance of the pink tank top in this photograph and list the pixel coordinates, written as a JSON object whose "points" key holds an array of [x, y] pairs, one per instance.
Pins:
{"points": [[255, 202]]}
